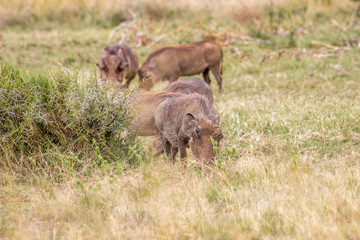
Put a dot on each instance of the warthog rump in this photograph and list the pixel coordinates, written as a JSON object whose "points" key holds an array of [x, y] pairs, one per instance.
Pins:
{"points": [[118, 65], [171, 62]]}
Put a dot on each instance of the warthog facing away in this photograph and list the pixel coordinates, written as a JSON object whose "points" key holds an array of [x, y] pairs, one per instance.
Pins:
{"points": [[171, 62], [188, 119], [117, 65]]}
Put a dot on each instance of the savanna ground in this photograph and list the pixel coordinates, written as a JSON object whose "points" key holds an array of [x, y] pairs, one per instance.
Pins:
{"points": [[290, 108]]}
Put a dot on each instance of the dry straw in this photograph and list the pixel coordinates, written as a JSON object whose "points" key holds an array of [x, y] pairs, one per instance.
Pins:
{"points": [[215, 7]]}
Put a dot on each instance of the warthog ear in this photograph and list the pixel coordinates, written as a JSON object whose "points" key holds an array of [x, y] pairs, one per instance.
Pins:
{"points": [[190, 117], [190, 125]]}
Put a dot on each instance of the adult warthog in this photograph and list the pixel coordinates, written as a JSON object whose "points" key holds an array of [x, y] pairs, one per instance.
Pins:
{"points": [[118, 65], [171, 62], [188, 119], [185, 86]]}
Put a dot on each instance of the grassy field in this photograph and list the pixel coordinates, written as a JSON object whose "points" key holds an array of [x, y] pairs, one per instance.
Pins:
{"points": [[290, 114]]}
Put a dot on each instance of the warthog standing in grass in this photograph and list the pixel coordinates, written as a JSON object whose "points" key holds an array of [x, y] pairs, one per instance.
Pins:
{"points": [[118, 65], [171, 62], [188, 119], [185, 86]]}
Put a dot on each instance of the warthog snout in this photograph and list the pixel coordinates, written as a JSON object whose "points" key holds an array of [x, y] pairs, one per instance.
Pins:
{"points": [[204, 138], [112, 70], [145, 80]]}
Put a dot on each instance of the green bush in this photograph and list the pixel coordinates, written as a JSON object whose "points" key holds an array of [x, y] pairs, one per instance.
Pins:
{"points": [[50, 124]]}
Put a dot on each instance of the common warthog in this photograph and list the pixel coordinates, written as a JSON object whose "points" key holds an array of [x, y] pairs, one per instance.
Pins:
{"points": [[185, 86], [117, 65], [188, 119], [171, 62]]}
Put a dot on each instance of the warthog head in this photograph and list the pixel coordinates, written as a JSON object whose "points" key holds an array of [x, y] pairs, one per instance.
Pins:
{"points": [[145, 79], [112, 68], [204, 134]]}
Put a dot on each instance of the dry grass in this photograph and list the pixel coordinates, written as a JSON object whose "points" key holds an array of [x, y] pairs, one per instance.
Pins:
{"points": [[261, 197], [290, 115], [294, 175], [242, 10]]}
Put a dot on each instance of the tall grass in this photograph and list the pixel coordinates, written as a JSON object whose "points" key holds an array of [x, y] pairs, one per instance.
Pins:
{"points": [[50, 124], [112, 12]]}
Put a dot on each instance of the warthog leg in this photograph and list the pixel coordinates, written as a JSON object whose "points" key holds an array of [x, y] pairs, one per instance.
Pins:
{"points": [[167, 148], [174, 151], [183, 155], [216, 71], [206, 76]]}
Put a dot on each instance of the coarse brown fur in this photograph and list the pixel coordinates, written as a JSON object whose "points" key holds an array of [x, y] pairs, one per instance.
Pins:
{"points": [[118, 65], [191, 85], [188, 119], [171, 62], [185, 86]]}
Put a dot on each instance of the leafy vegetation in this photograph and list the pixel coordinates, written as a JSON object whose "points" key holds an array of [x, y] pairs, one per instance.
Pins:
{"points": [[52, 125]]}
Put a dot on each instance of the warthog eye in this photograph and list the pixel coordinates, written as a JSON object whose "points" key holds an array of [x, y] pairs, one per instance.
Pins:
{"points": [[196, 134]]}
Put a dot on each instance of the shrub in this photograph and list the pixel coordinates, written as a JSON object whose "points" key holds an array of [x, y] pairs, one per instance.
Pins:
{"points": [[51, 124]]}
